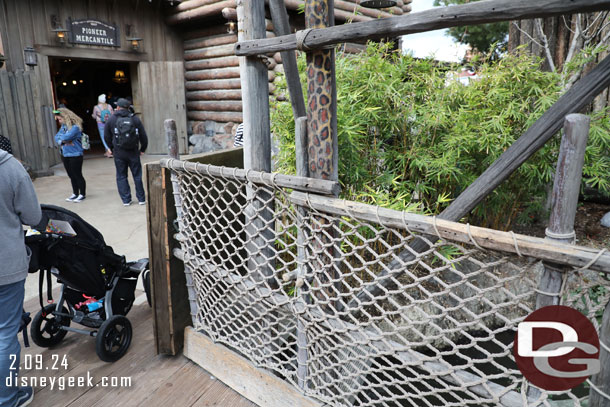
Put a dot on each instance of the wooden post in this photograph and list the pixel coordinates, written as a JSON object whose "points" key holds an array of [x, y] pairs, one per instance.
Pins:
{"points": [[564, 200], [301, 164], [320, 91], [257, 140], [602, 379], [171, 136], [281, 26]]}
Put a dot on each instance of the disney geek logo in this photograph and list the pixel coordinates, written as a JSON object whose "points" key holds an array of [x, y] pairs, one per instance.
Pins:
{"points": [[556, 348]]}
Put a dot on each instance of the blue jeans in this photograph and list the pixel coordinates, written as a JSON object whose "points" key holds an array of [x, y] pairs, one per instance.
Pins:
{"points": [[122, 162], [100, 128], [11, 304]]}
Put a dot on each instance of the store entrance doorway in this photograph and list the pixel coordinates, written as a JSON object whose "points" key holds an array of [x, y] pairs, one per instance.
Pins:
{"points": [[77, 83]]}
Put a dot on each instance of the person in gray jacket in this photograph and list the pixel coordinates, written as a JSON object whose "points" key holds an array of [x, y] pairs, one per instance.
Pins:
{"points": [[18, 206]]}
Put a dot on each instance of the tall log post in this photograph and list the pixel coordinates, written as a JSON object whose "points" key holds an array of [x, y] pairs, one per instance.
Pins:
{"points": [[257, 140], [322, 145], [300, 140], [602, 380], [564, 200], [566, 188]]}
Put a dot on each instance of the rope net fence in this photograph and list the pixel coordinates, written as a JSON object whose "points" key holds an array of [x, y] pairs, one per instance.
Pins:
{"points": [[356, 306]]}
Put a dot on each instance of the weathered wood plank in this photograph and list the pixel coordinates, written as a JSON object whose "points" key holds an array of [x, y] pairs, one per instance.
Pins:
{"points": [[557, 252], [257, 385], [209, 52], [434, 19], [258, 177], [281, 26]]}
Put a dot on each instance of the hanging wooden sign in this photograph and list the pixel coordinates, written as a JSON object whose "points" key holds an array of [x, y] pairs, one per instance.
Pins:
{"points": [[93, 32]]}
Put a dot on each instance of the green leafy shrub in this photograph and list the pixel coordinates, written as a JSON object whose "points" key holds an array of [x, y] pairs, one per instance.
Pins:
{"points": [[411, 138]]}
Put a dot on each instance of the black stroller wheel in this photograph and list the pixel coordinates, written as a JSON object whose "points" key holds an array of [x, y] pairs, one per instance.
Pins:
{"points": [[113, 338], [46, 327], [146, 284]]}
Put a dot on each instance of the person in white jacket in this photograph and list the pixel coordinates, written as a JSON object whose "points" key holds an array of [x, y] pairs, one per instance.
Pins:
{"points": [[18, 206]]}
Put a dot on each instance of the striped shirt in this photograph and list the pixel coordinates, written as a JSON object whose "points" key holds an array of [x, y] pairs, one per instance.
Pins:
{"points": [[239, 136]]}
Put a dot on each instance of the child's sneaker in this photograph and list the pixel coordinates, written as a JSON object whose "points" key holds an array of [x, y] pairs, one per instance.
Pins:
{"points": [[71, 198], [25, 395], [79, 198]]}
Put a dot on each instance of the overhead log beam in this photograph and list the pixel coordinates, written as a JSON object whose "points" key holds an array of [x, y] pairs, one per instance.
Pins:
{"points": [[459, 15]]}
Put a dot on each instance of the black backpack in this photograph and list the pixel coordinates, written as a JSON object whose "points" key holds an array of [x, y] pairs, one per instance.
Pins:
{"points": [[126, 135]]}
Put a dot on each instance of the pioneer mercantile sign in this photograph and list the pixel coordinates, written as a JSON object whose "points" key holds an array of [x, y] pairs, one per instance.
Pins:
{"points": [[93, 32]]}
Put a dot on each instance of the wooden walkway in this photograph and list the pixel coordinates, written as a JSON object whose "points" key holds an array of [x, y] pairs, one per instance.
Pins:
{"points": [[155, 380]]}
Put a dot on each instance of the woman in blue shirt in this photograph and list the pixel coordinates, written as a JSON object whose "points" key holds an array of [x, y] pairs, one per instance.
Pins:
{"points": [[69, 137]]}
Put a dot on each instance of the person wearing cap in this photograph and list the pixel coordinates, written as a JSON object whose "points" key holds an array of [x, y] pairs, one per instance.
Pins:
{"points": [[101, 113], [125, 158], [69, 138]]}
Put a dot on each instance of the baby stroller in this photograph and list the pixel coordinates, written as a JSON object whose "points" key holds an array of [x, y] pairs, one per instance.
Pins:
{"points": [[97, 285]]}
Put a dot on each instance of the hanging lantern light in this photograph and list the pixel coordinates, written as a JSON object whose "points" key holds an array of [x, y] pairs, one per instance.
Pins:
{"points": [[119, 76]]}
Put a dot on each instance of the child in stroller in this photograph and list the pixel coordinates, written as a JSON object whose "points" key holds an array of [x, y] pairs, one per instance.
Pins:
{"points": [[97, 285]]}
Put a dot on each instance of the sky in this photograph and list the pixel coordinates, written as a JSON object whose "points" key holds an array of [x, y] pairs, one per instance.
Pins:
{"points": [[435, 43]]}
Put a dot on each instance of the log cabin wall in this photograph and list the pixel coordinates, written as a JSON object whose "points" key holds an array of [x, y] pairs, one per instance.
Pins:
{"points": [[156, 69], [213, 89]]}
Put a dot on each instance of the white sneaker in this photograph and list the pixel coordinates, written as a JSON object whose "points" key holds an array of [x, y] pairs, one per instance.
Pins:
{"points": [[142, 203], [79, 198], [126, 204], [71, 198]]}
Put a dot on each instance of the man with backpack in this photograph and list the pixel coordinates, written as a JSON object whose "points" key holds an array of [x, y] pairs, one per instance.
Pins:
{"points": [[126, 138], [101, 113], [18, 205]]}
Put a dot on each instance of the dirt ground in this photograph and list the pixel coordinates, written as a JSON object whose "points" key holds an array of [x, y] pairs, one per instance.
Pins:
{"points": [[589, 231]]}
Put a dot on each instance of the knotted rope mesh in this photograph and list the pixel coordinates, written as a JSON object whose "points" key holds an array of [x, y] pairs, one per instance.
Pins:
{"points": [[349, 311]]}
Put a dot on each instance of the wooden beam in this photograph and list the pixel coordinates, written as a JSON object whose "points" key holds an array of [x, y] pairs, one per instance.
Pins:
{"points": [[545, 249], [459, 15], [257, 385], [258, 177], [281, 26]]}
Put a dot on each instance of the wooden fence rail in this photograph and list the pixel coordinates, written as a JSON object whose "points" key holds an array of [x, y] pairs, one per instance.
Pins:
{"points": [[453, 16]]}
